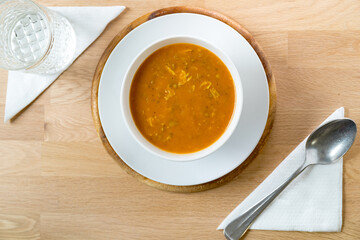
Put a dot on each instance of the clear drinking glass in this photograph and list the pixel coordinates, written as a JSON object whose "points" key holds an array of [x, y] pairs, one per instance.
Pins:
{"points": [[34, 38]]}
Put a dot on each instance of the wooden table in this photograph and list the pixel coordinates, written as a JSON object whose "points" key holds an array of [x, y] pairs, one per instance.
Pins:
{"points": [[57, 181]]}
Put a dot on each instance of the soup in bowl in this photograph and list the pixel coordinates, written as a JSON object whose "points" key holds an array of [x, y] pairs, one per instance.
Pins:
{"points": [[181, 98]]}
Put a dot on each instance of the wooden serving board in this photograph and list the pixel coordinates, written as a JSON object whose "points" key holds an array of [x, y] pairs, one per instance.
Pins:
{"points": [[96, 80]]}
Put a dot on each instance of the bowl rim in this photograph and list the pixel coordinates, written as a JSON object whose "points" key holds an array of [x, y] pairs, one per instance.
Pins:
{"points": [[125, 103]]}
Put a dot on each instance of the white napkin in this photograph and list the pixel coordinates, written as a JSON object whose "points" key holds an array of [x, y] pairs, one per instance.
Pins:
{"points": [[312, 202], [88, 23]]}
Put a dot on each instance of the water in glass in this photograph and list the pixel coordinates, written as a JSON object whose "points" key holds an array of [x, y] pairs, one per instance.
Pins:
{"points": [[33, 38]]}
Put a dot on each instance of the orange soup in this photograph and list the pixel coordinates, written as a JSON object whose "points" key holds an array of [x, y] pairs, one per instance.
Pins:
{"points": [[182, 98]]}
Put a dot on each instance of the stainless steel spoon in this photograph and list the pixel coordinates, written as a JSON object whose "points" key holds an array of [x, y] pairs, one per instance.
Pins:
{"points": [[325, 145]]}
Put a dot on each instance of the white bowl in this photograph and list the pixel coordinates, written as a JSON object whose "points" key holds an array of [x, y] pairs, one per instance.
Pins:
{"points": [[125, 97]]}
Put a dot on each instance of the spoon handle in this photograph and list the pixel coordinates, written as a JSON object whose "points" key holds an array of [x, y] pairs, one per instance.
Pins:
{"points": [[237, 228]]}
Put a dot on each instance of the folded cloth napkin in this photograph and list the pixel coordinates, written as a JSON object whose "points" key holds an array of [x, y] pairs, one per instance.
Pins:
{"points": [[88, 24], [311, 203]]}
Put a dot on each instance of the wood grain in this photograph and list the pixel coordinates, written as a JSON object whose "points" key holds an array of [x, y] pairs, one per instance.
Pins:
{"points": [[22, 226], [77, 159], [161, 12], [20, 158], [63, 123], [29, 125], [317, 51], [55, 171]]}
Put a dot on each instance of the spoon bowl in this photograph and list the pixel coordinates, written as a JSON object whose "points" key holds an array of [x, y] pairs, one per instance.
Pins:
{"points": [[330, 142]]}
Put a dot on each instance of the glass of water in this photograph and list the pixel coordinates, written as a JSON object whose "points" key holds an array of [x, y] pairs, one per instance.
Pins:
{"points": [[33, 38]]}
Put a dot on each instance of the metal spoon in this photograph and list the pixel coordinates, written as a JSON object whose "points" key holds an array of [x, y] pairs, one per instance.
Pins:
{"points": [[325, 145]]}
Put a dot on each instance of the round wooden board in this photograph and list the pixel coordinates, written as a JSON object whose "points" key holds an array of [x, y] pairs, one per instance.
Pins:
{"points": [[95, 86]]}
